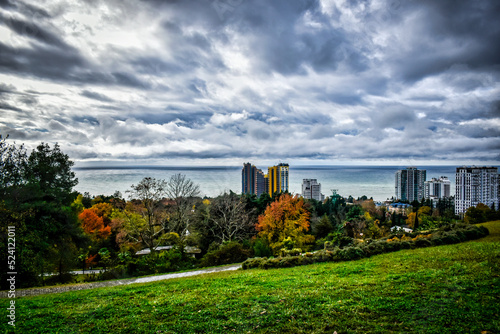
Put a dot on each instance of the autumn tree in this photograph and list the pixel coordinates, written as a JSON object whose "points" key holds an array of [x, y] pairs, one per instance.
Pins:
{"points": [[103, 210], [284, 218], [93, 225], [144, 218]]}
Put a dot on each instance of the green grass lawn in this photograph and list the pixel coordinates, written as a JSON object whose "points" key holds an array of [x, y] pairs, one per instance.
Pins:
{"points": [[445, 289]]}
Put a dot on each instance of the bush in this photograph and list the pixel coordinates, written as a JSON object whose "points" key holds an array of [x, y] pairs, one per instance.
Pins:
{"points": [[261, 248], [436, 240], [271, 263], [60, 279], [405, 245], [255, 262], [291, 252], [422, 242], [393, 246], [374, 248], [351, 253], [307, 260], [448, 234], [231, 252], [328, 245], [322, 256], [450, 238], [290, 261]]}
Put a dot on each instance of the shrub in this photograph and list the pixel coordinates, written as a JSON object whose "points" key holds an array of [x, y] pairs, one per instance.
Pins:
{"points": [[461, 235], [483, 231], [255, 262], [436, 240], [231, 252], [58, 279], [422, 242], [448, 234], [351, 253], [261, 248], [374, 248], [405, 245], [307, 260], [291, 252], [322, 256], [271, 263], [290, 261], [450, 238], [393, 246]]}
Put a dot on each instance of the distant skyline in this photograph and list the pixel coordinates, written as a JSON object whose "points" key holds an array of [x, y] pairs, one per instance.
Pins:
{"points": [[222, 82]]}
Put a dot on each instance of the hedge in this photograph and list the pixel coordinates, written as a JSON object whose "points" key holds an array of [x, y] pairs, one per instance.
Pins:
{"points": [[448, 234]]}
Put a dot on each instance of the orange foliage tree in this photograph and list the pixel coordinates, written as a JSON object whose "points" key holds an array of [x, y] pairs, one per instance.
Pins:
{"points": [[103, 210], [285, 218], [94, 225]]}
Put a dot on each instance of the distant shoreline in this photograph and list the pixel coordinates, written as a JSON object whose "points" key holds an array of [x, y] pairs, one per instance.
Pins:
{"points": [[297, 167]]}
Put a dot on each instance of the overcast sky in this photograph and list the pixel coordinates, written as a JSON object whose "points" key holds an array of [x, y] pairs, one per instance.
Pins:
{"points": [[220, 82]]}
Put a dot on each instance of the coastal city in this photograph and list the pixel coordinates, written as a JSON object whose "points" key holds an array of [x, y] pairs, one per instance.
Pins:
{"points": [[249, 166], [473, 185]]}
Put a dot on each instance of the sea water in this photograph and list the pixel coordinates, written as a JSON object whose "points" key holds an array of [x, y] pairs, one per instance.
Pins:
{"points": [[372, 181]]}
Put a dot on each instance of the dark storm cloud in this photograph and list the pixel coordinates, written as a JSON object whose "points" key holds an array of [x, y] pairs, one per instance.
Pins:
{"points": [[6, 88], [66, 66], [6, 106], [469, 28], [28, 99], [33, 31], [306, 79], [27, 9], [96, 96], [282, 48]]}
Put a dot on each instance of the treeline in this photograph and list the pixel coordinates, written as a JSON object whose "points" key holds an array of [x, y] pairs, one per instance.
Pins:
{"points": [[59, 230]]}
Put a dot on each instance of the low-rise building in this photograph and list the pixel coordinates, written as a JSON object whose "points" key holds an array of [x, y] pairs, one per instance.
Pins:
{"points": [[400, 208]]}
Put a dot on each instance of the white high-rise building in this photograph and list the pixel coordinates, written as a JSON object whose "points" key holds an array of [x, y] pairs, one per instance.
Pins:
{"points": [[476, 185], [410, 184], [311, 189], [437, 188]]}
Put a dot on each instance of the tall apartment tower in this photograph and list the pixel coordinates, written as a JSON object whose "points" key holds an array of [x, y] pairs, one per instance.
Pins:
{"points": [[410, 184], [476, 185], [311, 189], [437, 188], [252, 180], [277, 178]]}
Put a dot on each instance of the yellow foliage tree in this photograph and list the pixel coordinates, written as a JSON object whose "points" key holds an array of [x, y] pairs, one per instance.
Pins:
{"points": [[285, 217]]}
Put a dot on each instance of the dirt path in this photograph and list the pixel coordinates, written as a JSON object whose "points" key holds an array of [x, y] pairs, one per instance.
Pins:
{"points": [[85, 286]]}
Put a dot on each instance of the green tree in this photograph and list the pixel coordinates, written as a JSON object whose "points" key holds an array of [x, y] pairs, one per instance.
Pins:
{"points": [[477, 214], [322, 227], [36, 197]]}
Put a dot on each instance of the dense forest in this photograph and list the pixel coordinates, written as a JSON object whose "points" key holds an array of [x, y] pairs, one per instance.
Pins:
{"points": [[59, 230]]}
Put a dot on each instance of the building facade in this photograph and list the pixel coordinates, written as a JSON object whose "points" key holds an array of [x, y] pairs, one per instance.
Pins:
{"points": [[311, 189], [437, 188], [252, 180], [277, 179], [410, 184], [476, 185]]}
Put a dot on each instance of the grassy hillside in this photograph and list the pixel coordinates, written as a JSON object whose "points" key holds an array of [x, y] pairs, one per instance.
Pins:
{"points": [[446, 289]]}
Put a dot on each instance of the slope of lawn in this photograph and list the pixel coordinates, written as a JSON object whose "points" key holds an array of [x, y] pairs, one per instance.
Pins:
{"points": [[445, 289]]}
